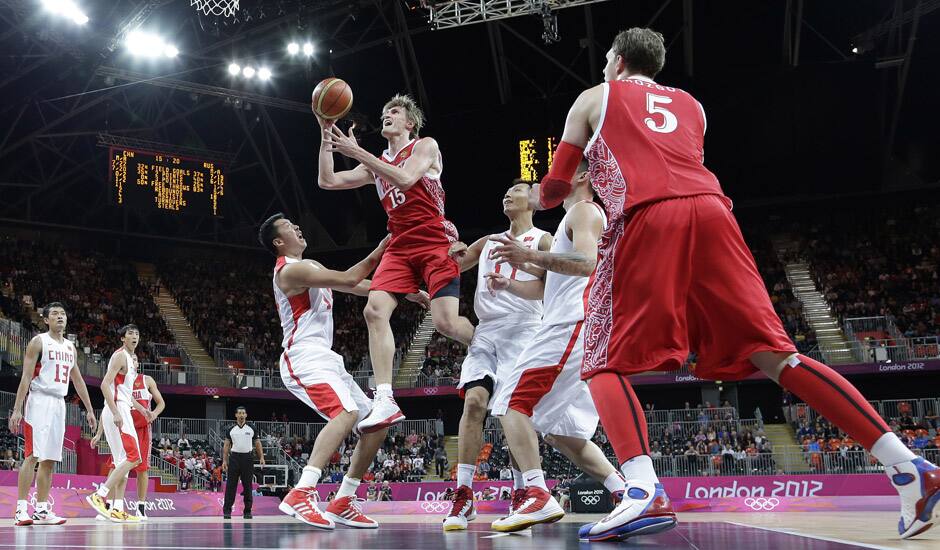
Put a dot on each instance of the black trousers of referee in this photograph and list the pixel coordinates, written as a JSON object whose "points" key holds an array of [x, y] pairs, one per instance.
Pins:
{"points": [[240, 466]]}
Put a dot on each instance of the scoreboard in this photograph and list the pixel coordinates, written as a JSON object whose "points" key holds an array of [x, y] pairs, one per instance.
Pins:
{"points": [[535, 157], [148, 180]]}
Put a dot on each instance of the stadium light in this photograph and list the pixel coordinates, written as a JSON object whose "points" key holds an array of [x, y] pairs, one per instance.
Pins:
{"points": [[308, 49], [248, 72], [855, 49], [234, 69], [264, 73], [293, 48], [66, 8], [147, 44]]}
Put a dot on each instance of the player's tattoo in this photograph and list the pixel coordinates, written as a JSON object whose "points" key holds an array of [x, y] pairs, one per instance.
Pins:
{"points": [[566, 263]]}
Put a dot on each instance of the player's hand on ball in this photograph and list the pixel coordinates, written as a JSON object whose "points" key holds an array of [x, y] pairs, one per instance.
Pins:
{"points": [[510, 251], [15, 420], [324, 123], [496, 282], [421, 298], [336, 140]]}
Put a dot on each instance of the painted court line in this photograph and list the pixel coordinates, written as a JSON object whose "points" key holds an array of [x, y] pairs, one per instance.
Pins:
{"points": [[817, 537]]}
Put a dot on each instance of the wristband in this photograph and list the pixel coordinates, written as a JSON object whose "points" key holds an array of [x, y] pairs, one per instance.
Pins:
{"points": [[556, 185]]}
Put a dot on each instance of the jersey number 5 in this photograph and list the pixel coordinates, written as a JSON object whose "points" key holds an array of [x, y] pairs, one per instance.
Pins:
{"points": [[670, 122]]}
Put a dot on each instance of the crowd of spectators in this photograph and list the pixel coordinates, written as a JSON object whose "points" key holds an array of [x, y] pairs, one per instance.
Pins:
{"points": [[194, 458], [101, 293], [8, 449], [230, 305]]}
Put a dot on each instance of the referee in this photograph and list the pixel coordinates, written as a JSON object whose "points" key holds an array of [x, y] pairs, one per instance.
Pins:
{"points": [[239, 440]]}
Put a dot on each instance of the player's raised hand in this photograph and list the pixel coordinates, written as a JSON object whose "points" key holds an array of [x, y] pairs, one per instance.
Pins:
{"points": [[325, 124], [14, 424], [510, 251], [421, 298], [336, 140], [496, 282]]}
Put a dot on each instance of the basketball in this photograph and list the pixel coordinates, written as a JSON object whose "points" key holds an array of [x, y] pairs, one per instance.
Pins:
{"points": [[332, 98]]}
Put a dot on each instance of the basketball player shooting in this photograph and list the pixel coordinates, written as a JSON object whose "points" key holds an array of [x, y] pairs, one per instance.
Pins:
{"points": [[407, 177], [676, 275]]}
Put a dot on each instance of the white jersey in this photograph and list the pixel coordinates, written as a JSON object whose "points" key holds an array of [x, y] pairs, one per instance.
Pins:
{"points": [[306, 318], [566, 295], [124, 382], [505, 304], [51, 373]]}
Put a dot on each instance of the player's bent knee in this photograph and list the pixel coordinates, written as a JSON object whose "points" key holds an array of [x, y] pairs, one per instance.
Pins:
{"points": [[375, 313], [474, 405]]}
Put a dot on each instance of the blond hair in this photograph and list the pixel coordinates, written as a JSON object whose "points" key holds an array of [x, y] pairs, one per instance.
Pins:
{"points": [[412, 111]]}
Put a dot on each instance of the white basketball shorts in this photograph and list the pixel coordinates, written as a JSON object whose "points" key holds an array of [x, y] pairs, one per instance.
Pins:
{"points": [[317, 377], [123, 441], [44, 426], [495, 347], [545, 384]]}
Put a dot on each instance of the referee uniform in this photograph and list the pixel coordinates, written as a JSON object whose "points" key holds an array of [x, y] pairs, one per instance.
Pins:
{"points": [[242, 438]]}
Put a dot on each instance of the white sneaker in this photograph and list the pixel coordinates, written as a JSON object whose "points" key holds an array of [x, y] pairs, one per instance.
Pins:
{"points": [[46, 517], [462, 510], [918, 483], [385, 412], [644, 510], [539, 506], [22, 518]]}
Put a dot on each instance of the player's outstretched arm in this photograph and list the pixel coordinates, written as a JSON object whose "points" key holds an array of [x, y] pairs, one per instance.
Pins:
{"points": [[470, 257], [527, 290], [82, 390], [157, 397], [327, 177], [30, 357], [308, 274], [423, 155]]}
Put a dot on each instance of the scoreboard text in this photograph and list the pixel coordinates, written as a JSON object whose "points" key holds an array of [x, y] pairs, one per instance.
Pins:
{"points": [[174, 184], [535, 157]]}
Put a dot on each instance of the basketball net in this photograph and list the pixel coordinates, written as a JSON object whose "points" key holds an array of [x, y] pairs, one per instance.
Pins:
{"points": [[216, 7]]}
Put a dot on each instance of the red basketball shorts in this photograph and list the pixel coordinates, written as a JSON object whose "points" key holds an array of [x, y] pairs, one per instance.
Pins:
{"points": [[144, 441], [406, 264], [675, 276]]}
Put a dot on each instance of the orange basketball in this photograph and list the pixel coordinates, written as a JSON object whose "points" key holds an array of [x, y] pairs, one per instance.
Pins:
{"points": [[332, 98]]}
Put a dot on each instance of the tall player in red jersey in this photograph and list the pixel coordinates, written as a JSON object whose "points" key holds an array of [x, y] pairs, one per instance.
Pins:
{"points": [[407, 176], [675, 275]]}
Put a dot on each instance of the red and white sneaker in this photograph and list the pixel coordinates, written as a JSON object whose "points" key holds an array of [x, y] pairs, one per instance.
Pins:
{"points": [[347, 511], [47, 517], [518, 497], [918, 483], [462, 511], [539, 506], [22, 518], [301, 503], [385, 412]]}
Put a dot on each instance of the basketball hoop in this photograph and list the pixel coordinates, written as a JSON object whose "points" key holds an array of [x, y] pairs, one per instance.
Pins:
{"points": [[225, 8]]}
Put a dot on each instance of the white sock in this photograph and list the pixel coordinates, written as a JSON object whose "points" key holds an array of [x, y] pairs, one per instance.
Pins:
{"points": [[517, 482], [465, 474], [889, 450], [309, 477], [42, 506], [21, 506], [614, 483], [118, 504], [103, 490], [639, 467], [534, 478], [383, 390], [348, 488]]}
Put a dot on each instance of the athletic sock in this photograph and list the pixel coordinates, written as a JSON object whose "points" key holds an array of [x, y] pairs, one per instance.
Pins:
{"points": [[517, 479], [834, 397], [348, 488], [103, 491], [614, 483], [119, 504], [621, 415], [639, 467], [535, 478], [309, 477], [891, 451], [383, 390], [465, 474], [21, 506]]}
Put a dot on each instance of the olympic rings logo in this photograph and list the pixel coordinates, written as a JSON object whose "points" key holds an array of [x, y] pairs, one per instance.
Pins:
{"points": [[430, 390], [435, 506], [590, 500], [211, 390], [762, 504]]}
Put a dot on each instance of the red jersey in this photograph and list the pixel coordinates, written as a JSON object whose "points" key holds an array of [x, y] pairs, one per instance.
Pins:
{"points": [[648, 146], [417, 214], [142, 395]]}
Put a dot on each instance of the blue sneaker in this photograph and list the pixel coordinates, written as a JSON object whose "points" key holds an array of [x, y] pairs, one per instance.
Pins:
{"points": [[918, 483], [644, 510]]}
